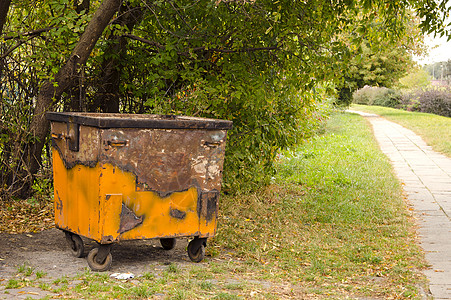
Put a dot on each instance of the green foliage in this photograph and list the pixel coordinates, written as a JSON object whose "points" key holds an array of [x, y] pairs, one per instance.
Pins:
{"points": [[259, 64], [378, 60], [416, 78], [377, 96], [374, 68]]}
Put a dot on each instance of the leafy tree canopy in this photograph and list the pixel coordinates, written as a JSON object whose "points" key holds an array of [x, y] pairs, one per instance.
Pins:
{"points": [[258, 63]]}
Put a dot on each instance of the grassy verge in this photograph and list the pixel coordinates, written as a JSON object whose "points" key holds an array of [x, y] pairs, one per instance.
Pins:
{"points": [[333, 225], [333, 222], [435, 130]]}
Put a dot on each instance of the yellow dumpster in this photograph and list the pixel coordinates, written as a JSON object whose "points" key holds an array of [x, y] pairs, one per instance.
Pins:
{"points": [[122, 177]]}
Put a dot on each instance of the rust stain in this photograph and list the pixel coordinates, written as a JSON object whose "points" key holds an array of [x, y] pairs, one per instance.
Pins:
{"points": [[178, 214], [129, 220]]}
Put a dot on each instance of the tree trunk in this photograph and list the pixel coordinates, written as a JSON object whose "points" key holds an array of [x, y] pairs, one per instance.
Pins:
{"points": [[4, 7], [51, 91], [106, 98]]}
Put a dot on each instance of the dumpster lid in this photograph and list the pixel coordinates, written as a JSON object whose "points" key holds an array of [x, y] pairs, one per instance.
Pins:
{"points": [[115, 120]]}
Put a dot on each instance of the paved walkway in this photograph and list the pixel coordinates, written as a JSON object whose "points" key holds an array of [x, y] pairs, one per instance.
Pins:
{"points": [[427, 178]]}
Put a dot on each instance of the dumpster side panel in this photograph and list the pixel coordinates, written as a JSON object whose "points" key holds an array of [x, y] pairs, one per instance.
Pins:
{"points": [[144, 214], [76, 198], [76, 180], [182, 168]]}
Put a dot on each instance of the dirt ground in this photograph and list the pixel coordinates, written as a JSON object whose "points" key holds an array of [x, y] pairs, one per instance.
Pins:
{"points": [[48, 252]]}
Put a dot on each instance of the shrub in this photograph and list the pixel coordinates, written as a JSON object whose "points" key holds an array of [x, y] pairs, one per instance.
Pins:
{"points": [[434, 100], [362, 96], [380, 96]]}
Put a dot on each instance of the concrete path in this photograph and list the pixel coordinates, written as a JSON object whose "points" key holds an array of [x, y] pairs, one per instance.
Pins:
{"points": [[427, 178]]}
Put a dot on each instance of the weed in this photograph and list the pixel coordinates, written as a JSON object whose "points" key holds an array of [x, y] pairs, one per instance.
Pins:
{"points": [[172, 268], [178, 295], [25, 269], [63, 280], [148, 276], [45, 286], [62, 288], [234, 286], [141, 292], [206, 285], [13, 284], [226, 296], [40, 274]]}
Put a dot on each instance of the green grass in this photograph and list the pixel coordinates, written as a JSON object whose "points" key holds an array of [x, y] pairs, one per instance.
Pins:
{"points": [[332, 225], [435, 130], [333, 221]]}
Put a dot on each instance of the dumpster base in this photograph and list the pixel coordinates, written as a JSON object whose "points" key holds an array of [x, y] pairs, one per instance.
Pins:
{"points": [[100, 258]]}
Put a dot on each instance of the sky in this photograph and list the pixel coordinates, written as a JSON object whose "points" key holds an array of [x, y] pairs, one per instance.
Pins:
{"points": [[440, 50]]}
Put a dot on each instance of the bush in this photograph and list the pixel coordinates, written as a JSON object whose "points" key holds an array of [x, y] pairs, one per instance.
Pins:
{"points": [[434, 100], [379, 96]]}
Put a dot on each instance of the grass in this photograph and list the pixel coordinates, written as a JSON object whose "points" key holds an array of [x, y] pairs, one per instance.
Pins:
{"points": [[333, 222], [435, 130], [332, 225]]}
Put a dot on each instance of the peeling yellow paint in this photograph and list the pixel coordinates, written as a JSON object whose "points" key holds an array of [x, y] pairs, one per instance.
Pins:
{"points": [[88, 201]]}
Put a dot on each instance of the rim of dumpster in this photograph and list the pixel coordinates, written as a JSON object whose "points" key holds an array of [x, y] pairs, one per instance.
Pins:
{"points": [[116, 120]]}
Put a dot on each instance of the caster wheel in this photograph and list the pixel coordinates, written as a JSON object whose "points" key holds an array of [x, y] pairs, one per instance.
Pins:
{"points": [[168, 243], [196, 251], [76, 244], [94, 265]]}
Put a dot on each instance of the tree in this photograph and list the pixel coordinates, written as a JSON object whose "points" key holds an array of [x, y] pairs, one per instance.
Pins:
{"points": [[439, 70], [257, 63], [4, 7], [378, 61], [416, 78], [52, 89]]}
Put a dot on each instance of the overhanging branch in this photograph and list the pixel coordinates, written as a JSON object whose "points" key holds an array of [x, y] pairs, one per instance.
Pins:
{"points": [[203, 49], [29, 33]]}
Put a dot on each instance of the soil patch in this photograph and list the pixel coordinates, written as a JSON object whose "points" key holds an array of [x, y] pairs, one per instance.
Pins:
{"points": [[48, 251]]}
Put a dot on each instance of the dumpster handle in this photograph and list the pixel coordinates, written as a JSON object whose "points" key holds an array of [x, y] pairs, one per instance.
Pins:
{"points": [[117, 143], [212, 144], [58, 136]]}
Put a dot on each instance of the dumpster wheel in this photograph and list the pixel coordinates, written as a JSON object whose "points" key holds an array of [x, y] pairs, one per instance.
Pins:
{"points": [[196, 249], [75, 243], [96, 266], [168, 243]]}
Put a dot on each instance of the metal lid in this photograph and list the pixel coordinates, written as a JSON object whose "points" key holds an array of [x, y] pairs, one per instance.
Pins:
{"points": [[111, 120]]}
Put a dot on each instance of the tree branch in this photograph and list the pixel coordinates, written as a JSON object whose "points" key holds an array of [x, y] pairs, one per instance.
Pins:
{"points": [[29, 33], [251, 49], [137, 38], [185, 53]]}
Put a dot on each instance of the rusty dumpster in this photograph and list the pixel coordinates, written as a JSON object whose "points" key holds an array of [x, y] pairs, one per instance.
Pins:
{"points": [[122, 177]]}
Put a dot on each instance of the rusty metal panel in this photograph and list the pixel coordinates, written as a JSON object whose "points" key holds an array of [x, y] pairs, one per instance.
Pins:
{"points": [[167, 161]]}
